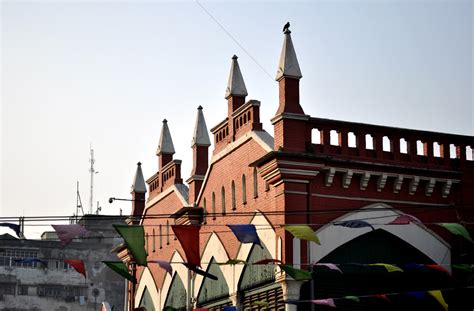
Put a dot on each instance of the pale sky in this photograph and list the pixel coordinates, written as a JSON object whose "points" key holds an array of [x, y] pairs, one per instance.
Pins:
{"points": [[108, 72]]}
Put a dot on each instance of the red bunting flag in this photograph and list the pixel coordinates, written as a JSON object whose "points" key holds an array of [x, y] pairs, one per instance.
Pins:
{"points": [[78, 265], [188, 236]]}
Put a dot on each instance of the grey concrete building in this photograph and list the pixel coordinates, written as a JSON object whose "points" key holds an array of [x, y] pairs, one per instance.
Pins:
{"points": [[54, 285]]}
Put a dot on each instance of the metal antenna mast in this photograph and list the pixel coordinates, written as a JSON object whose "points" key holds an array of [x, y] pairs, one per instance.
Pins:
{"points": [[78, 201], [92, 172]]}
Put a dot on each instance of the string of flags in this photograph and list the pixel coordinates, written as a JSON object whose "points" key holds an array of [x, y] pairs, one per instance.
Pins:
{"points": [[188, 236]]}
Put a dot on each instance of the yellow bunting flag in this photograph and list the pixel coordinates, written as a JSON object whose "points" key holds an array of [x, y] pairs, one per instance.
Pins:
{"points": [[390, 268], [439, 297]]}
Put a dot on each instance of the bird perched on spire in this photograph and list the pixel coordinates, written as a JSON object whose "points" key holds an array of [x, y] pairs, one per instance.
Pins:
{"points": [[286, 27]]}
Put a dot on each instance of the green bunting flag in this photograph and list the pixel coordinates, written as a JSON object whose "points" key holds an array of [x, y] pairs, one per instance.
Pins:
{"points": [[233, 262], [134, 237], [303, 232], [465, 267], [297, 274], [354, 298], [457, 229], [121, 269]]}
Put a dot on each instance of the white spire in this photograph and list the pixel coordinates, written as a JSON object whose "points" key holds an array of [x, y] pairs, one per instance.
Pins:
{"points": [[166, 143], [288, 66], [138, 185], [200, 137], [236, 85]]}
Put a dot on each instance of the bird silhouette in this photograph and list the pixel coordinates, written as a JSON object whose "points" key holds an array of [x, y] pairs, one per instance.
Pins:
{"points": [[287, 26]]}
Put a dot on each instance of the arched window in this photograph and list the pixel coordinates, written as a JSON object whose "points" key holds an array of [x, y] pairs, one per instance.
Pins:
{"points": [[161, 236], [244, 189], [232, 186], [255, 183], [213, 206], [223, 200], [167, 233], [204, 211], [154, 240]]}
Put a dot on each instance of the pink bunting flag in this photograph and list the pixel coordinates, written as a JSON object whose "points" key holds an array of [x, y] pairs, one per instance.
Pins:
{"points": [[404, 219], [324, 302], [330, 266], [66, 233], [163, 264], [78, 265]]}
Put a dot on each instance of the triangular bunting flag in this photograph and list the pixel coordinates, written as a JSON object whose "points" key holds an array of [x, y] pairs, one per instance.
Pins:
{"points": [[121, 269], [66, 233], [330, 266], [404, 219], [303, 232], [297, 274], [389, 268], [439, 297], [457, 229], [324, 302], [438, 267], [245, 233], [233, 262], [14, 227], [356, 223], [163, 264], [134, 237], [78, 265], [31, 260], [354, 298], [188, 236]]}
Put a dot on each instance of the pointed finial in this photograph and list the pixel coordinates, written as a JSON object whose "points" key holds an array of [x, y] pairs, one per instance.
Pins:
{"points": [[138, 185], [200, 136], [165, 144], [236, 84], [288, 66]]}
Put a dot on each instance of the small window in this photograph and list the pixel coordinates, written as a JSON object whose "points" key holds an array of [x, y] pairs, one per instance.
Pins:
{"points": [[154, 240], [369, 142], [351, 139], [334, 138], [315, 136], [232, 186], [213, 206], [244, 190], [403, 146], [469, 153], [167, 233], [161, 236], [204, 211], [223, 200], [420, 148], [387, 144], [146, 242], [436, 150], [255, 183]]}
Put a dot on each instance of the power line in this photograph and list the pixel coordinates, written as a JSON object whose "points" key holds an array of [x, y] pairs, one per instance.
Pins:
{"points": [[233, 38]]}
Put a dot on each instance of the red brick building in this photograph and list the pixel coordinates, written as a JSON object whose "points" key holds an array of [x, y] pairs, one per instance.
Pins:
{"points": [[312, 171]]}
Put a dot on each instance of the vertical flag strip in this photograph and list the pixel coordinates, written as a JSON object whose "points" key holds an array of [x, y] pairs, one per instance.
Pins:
{"points": [[14, 227], [303, 232], [188, 236], [121, 269], [245, 233], [66, 233], [134, 237], [457, 229], [78, 265]]}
